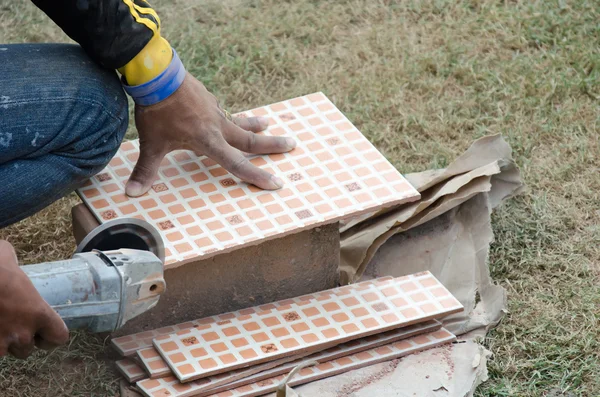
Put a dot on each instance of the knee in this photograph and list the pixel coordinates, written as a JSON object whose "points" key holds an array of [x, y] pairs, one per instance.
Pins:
{"points": [[107, 119]]}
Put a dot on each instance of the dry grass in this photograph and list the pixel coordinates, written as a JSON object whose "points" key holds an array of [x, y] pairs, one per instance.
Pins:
{"points": [[422, 79]]}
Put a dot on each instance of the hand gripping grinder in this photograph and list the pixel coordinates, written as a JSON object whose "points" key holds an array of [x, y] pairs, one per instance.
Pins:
{"points": [[115, 275]]}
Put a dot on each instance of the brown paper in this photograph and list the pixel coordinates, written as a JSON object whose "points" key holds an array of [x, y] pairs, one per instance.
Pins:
{"points": [[440, 190]]}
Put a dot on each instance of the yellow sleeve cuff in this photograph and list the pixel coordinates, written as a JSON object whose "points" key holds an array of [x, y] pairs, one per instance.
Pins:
{"points": [[151, 61]]}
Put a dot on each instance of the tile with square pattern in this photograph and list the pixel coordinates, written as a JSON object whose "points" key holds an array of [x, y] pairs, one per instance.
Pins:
{"points": [[171, 387], [130, 370], [268, 332], [128, 345], [153, 363], [201, 210], [156, 367], [238, 378]]}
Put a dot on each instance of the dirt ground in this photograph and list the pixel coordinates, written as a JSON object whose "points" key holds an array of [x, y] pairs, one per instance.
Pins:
{"points": [[422, 79]]}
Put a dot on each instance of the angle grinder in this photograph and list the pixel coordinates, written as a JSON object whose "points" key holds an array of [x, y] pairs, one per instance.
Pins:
{"points": [[115, 275]]}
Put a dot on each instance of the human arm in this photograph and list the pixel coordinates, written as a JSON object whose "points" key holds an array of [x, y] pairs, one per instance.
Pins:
{"points": [[173, 109]]}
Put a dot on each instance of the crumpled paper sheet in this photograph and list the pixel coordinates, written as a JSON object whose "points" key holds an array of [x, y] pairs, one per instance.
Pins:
{"points": [[447, 232], [487, 166]]}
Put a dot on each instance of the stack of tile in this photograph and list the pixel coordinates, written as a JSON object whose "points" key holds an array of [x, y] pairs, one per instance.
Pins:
{"points": [[247, 353]]}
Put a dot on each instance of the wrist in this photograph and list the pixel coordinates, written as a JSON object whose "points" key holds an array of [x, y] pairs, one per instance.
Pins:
{"points": [[160, 87]]}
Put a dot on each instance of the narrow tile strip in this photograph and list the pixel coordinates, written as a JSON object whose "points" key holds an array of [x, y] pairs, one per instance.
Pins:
{"points": [[170, 387], [293, 326], [130, 370], [207, 386], [128, 345], [156, 367]]}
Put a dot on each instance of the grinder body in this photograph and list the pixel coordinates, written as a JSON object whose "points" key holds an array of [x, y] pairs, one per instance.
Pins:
{"points": [[115, 275], [100, 290]]}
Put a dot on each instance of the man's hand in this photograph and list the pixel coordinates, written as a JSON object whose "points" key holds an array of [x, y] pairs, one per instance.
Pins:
{"points": [[192, 119], [26, 320]]}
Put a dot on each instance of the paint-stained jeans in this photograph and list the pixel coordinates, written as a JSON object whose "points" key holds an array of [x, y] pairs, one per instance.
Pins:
{"points": [[62, 118]]}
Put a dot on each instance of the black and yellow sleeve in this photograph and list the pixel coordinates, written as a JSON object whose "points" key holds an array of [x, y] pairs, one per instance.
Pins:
{"points": [[118, 34]]}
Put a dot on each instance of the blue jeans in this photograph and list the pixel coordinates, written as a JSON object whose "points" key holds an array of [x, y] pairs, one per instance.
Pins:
{"points": [[62, 118]]}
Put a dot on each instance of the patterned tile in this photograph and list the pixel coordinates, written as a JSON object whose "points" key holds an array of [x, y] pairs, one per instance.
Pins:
{"points": [[219, 382], [288, 327], [130, 370], [202, 210], [238, 378], [170, 387], [153, 363], [128, 345], [156, 367]]}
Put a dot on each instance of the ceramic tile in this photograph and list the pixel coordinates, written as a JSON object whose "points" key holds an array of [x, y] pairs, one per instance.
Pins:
{"points": [[291, 326], [127, 346], [153, 363], [238, 378], [170, 387], [156, 367], [130, 344], [219, 382], [130, 370], [201, 210]]}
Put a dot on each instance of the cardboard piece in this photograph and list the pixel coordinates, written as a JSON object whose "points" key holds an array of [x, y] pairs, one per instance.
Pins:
{"points": [[486, 167]]}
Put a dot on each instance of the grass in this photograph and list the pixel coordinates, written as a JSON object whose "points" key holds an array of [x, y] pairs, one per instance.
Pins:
{"points": [[422, 79]]}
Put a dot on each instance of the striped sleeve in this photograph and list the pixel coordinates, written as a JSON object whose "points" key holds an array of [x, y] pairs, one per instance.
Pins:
{"points": [[118, 34]]}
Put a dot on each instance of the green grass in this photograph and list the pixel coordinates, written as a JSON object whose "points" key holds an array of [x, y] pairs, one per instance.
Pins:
{"points": [[422, 79]]}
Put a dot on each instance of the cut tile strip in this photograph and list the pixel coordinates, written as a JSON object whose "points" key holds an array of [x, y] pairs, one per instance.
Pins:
{"points": [[170, 387], [156, 367], [130, 370], [201, 210], [153, 363], [128, 345], [292, 326], [232, 380]]}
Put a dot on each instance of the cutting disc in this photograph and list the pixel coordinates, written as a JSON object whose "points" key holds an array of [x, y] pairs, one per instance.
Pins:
{"points": [[124, 233]]}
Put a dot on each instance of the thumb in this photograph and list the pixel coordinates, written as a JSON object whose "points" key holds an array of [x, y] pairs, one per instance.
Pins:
{"points": [[144, 171], [52, 331]]}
